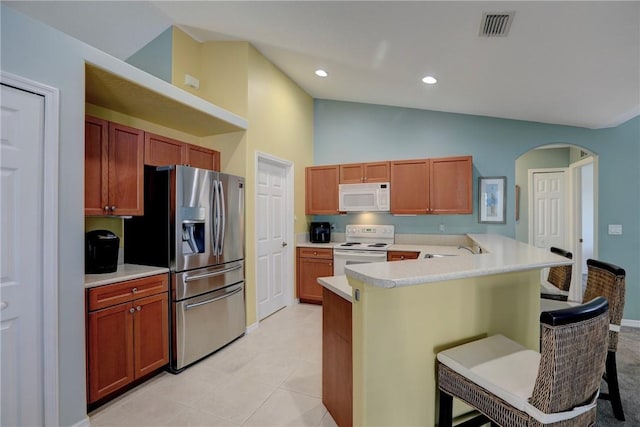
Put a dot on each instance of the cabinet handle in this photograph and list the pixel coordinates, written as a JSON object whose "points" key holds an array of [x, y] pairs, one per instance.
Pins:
{"points": [[132, 310], [134, 290], [138, 308]]}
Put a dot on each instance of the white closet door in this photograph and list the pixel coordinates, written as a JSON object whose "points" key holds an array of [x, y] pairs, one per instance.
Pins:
{"points": [[21, 268]]}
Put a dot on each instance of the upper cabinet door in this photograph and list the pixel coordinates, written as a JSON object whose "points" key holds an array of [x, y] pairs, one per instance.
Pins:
{"points": [[351, 173], [376, 172], [322, 190], [96, 164], [356, 173], [162, 151], [201, 157], [451, 186], [410, 187], [126, 170]]}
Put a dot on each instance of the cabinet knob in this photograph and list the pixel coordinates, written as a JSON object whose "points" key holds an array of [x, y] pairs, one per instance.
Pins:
{"points": [[402, 257], [132, 310], [315, 253], [138, 308], [113, 208], [106, 208], [134, 290]]}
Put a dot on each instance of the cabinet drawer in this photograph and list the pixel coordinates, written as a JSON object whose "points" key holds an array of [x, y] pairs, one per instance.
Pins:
{"points": [[401, 255], [108, 295], [326, 253]]}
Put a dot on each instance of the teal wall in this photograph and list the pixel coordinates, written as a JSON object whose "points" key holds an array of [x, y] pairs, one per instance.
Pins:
{"points": [[347, 132], [153, 57]]}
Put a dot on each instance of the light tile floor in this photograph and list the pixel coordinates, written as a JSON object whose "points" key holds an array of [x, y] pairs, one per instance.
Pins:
{"points": [[270, 377]]}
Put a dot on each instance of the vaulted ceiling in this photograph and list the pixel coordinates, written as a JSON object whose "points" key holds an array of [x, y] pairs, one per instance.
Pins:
{"points": [[572, 63]]}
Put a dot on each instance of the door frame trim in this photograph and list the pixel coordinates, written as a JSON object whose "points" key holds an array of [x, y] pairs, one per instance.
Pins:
{"points": [[50, 238], [575, 291], [261, 157]]}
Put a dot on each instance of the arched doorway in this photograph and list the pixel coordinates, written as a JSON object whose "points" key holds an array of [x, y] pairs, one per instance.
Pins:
{"points": [[577, 170]]}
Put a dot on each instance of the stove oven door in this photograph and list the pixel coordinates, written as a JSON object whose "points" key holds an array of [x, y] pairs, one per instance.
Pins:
{"points": [[342, 258]]}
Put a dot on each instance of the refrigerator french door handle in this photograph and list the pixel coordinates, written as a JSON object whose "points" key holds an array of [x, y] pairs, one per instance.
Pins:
{"points": [[218, 218], [215, 218], [223, 215]]}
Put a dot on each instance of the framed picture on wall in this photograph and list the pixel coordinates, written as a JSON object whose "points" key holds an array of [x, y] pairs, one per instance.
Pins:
{"points": [[492, 197]]}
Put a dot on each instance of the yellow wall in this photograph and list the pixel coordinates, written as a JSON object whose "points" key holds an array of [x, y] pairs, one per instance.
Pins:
{"points": [[186, 59], [398, 332], [280, 124], [235, 76], [226, 67]]}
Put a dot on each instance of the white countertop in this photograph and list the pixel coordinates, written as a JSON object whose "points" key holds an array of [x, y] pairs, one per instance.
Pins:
{"points": [[124, 272], [503, 255], [329, 245], [338, 285]]}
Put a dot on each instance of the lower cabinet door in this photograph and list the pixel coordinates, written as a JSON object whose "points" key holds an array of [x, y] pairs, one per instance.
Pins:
{"points": [[151, 334], [110, 357], [309, 269]]}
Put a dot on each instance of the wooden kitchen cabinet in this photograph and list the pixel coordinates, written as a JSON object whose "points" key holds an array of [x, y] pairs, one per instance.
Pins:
{"points": [[321, 184], [356, 173], [401, 255], [160, 151], [312, 263], [201, 157], [337, 359], [451, 185], [410, 187], [127, 333], [113, 169], [432, 186]]}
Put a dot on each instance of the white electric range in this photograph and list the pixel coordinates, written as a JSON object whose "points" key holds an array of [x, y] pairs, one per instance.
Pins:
{"points": [[363, 244]]}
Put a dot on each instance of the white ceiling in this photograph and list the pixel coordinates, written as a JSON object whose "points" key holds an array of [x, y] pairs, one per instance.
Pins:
{"points": [[574, 63]]}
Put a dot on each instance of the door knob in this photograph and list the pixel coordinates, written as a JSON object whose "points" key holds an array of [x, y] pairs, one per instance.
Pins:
{"points": [[284, 244]]}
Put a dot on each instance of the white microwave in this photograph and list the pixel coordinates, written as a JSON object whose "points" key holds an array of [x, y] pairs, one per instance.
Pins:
{"points": [[369, 197]]}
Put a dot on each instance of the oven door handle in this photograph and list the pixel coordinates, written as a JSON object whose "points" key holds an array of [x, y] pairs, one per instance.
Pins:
{"points": [[367, 254], [198, 304]]}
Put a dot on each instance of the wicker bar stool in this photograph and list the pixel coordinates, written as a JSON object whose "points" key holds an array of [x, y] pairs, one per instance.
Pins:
{"points": [[513, 386], [606, 280], [558, 279]]}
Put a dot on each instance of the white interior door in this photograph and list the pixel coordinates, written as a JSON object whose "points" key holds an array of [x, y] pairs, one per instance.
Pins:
{"points": [[549, 209], [21, 260], [272, 224]]}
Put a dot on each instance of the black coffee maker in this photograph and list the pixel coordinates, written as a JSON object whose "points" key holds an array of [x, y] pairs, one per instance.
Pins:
{"points": [[101, 252], [320, 232]]}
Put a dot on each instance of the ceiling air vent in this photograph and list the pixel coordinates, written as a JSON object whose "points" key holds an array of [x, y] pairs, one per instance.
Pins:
{"points": [[496, 24]]}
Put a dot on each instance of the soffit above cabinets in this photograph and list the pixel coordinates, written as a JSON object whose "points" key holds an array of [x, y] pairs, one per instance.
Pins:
{"points": [[125, 96]]}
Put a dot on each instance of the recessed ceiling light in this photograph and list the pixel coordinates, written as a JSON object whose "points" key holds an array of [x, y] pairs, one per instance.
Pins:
{"points": [[430, 80], [321, 73]]}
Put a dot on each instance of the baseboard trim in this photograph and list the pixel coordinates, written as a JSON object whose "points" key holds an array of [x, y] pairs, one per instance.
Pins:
{"points": [[86, 422], [631, 323], [252, 328]]}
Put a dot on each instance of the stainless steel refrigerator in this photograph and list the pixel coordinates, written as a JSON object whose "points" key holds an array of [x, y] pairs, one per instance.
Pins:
{"points": [[193, 224]]}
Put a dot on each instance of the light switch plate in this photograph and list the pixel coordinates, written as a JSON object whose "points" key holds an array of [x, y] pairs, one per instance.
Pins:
{"points": [[615, 229]]}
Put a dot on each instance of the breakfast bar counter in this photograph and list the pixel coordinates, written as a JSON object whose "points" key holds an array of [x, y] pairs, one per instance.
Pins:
{"points": [[404, 313]]}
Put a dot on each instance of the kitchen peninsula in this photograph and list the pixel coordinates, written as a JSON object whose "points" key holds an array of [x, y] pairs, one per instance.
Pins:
{"points": [[404, 313]]}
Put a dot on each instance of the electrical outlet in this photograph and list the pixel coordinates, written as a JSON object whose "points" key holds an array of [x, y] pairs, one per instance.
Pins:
{"points": [[615, 229], [441, 227]]}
